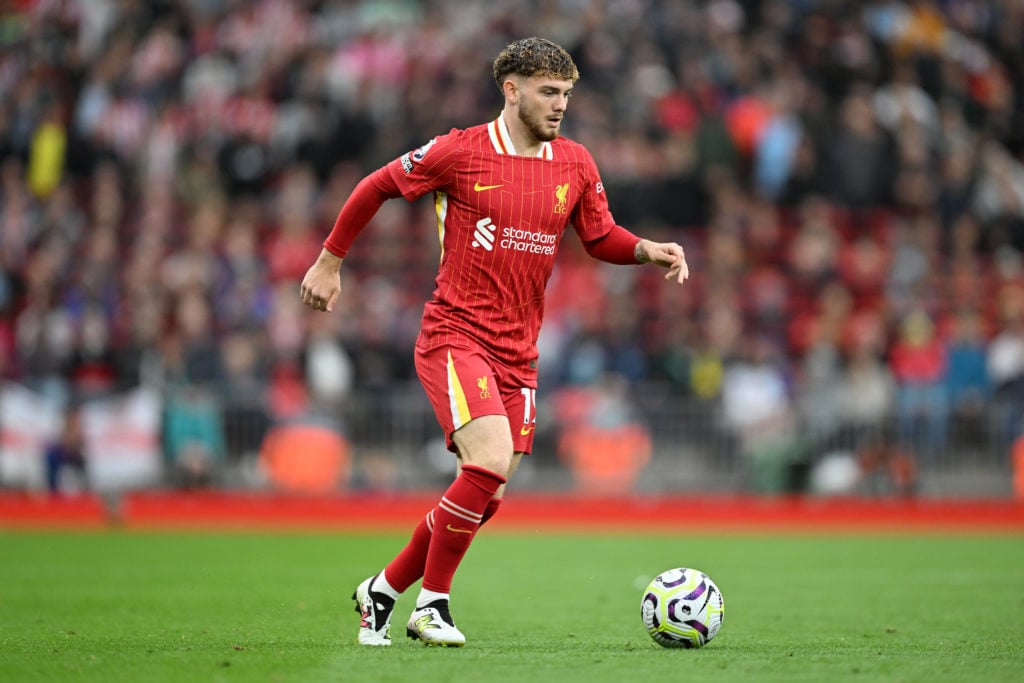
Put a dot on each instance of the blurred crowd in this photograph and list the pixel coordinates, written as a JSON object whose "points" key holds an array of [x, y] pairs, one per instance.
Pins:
{"points": [[847, 180]]}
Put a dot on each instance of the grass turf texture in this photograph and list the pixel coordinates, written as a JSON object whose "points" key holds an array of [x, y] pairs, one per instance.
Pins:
{"points": [[112, 606]]}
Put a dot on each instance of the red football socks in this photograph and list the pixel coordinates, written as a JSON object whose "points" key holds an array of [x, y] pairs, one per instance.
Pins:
{"points": [[492, 507], [456, 519], [409, 565]]}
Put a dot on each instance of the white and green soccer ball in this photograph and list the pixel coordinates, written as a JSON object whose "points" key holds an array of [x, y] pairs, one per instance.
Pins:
{"points": [[682, 607]]}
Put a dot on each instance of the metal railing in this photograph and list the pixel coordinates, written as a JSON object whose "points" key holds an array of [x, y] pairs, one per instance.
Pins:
{"points": [[650, 441], [693, 450]]}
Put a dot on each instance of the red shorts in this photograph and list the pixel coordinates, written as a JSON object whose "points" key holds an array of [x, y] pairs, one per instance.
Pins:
{"points": [[463, 383]]}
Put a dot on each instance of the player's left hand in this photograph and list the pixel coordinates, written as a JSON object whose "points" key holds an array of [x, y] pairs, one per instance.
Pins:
{"points": [[666, 254]]}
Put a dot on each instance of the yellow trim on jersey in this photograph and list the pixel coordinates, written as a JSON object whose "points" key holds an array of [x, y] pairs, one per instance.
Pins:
{"points": [[456, 396], [441, 210]]}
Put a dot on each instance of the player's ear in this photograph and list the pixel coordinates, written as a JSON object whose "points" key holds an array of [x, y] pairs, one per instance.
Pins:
{"points": [[511, 90]]}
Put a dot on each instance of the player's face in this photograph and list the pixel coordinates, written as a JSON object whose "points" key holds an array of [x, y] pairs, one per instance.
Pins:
{"points": [[542, 104]]}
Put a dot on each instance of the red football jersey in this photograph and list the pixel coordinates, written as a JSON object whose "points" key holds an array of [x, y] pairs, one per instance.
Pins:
{"points": [[500, 218]]}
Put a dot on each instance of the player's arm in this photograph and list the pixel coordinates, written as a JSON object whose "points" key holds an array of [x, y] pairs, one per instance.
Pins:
{"points": [[604, 239], [622, 247], [322, 283], [617, 245]]}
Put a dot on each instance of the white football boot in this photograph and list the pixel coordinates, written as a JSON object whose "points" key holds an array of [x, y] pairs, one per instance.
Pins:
{"points": [[374, 614], [433, 625]]}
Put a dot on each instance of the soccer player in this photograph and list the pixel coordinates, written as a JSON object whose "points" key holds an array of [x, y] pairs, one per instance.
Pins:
{"points": [[504, 194]]}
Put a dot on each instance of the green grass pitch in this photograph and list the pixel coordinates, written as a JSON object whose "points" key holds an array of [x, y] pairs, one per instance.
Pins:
{"points": [[196, 607]]}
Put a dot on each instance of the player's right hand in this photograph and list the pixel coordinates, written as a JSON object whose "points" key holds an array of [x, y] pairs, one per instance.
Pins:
{"points": [[321, 285]]}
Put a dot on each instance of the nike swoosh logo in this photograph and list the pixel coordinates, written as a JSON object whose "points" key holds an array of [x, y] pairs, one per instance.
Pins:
{"points": [[425, 622], [480, 188], [461, 531], [524, 431]]}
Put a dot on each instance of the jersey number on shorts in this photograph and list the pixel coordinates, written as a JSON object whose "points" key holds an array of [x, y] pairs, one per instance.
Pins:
{"points": [[529, 410]]}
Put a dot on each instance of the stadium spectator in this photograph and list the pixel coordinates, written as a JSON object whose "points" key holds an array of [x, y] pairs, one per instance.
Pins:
{"points": [[193, 437], [758, 409], [920, 364], [867, 393], [67, 471], [967, 378], [1005, 365]]}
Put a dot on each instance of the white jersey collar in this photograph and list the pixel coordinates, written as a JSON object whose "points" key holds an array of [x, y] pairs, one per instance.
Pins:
{"points": [[502, 141]]}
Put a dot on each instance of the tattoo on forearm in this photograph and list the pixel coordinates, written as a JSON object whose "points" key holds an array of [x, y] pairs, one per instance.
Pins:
{"points": [[639, 253]]}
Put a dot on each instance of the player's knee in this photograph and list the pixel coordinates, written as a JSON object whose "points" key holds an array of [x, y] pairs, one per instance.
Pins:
{"points": [[486, 442], [495, 461]]}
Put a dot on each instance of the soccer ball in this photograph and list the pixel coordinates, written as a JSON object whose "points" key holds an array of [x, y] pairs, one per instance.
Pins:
{"points": [[682, 608]]}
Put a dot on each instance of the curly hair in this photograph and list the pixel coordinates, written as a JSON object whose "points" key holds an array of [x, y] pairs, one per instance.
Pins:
{"points": [[534, 57]]}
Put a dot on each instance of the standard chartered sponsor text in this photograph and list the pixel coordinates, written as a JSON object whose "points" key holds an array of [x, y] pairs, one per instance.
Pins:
{"points": [[531, 242]]}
